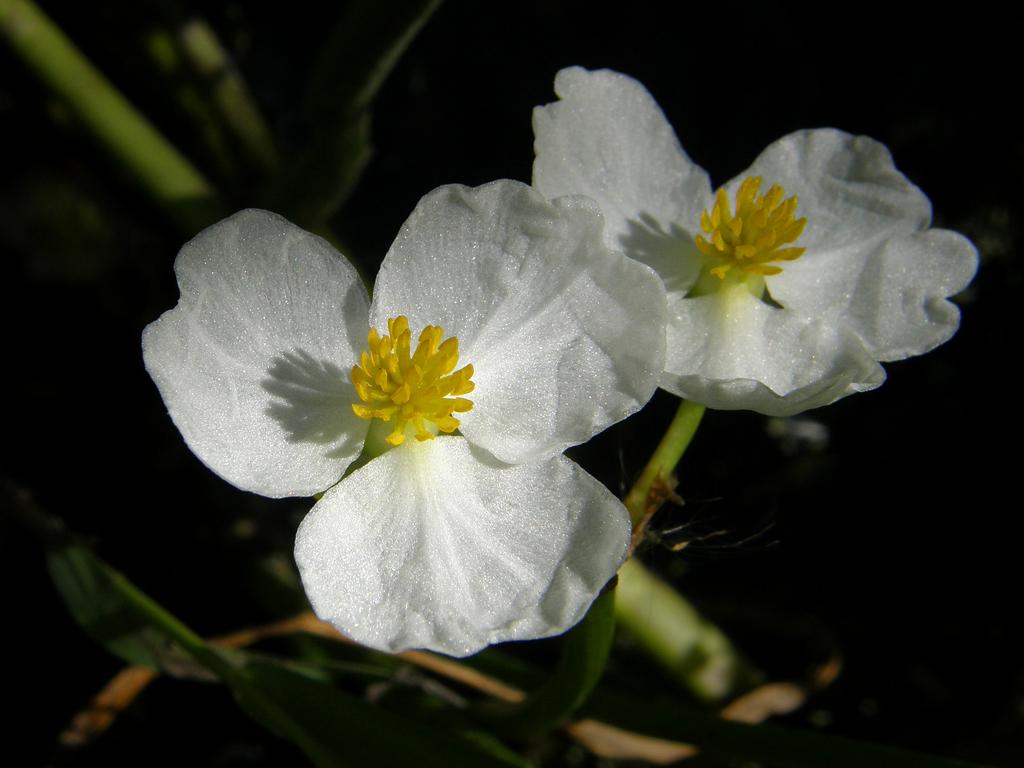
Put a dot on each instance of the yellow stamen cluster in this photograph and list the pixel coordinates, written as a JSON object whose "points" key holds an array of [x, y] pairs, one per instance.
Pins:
{"points": [[411, 389], [754, 236]]}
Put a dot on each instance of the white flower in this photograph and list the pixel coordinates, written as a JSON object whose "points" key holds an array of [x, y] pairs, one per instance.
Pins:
{"points": [[786, 288], [276, 367]]}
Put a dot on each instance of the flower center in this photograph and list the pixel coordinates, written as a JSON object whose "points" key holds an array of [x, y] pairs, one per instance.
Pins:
{"points": [[411, 389], [754, 237]]}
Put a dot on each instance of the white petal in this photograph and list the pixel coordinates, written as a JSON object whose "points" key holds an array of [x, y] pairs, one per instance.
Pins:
{"points": [[429, 546], [868, 265], [565, 336], [848, 188], [253, 363], [729, 350], [893, 296], [608, 139]]}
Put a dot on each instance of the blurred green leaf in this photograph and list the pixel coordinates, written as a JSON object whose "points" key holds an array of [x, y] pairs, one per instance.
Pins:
{"points": [[765, 744], [333, 728], [101, 612], [361, 52], [118, 615], [490, 743], [580, 666], [364, 47], [337, 729]]}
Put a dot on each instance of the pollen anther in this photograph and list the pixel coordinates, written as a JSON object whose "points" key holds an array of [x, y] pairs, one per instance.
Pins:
{"points": [[412, 389], [752, 238]]}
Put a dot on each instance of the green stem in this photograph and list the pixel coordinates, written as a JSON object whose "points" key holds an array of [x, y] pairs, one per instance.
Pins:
{"points": [[165, 51], [663, 462], [230, 95], [171, 180], [675, 635], [665, 624]]}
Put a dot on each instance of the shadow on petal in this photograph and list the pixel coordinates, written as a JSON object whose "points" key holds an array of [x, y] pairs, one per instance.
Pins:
{"points": [[485, 457], [668, 251], [313, 402]]}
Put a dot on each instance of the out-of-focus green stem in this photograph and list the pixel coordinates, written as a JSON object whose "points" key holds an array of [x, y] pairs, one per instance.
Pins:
{"points": [[665, 624], [663, 462], [671, 630], [170, 179], [231, 96], [165, 51]]}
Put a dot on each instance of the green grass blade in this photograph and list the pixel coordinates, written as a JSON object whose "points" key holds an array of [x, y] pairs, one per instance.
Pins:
{"points": [[116, 125]]}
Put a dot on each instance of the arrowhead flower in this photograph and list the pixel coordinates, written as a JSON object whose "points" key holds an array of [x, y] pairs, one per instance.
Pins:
{"points": [[501, 331], [788, 286]]}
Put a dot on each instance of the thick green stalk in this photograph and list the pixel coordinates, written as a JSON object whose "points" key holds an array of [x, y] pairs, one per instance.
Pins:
{"points": [[675, 635], [167, 176]]}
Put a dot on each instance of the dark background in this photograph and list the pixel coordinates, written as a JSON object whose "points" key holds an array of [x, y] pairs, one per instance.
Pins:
{"points": [[898, 539]]}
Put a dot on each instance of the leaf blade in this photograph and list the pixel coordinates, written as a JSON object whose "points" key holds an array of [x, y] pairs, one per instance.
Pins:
{"points": [[333, 728], [580, 667]]}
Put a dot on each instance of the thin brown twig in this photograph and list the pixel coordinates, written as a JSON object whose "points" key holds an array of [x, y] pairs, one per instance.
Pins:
{"points": [[115, 697], [307, 622], [662, 490]]}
